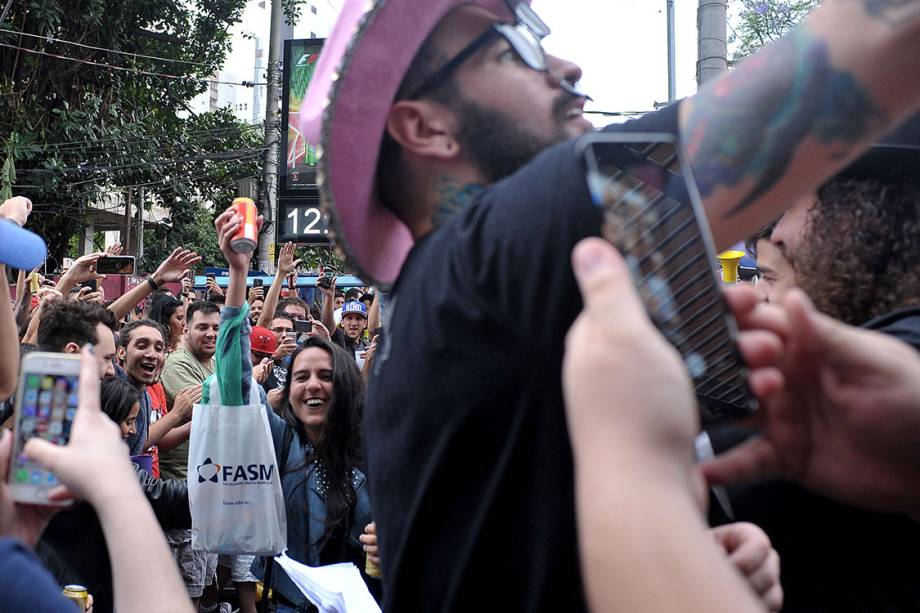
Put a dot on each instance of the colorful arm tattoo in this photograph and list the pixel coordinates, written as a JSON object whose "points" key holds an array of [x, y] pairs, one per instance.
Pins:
{"points": [[748, 127]]}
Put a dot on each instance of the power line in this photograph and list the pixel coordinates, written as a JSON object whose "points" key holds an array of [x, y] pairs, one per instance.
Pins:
{"points": [[161, 183], [121, 205], [139, 152], [120, 188], [91, 144], [84, 46], [216, 156], [127, 69]]}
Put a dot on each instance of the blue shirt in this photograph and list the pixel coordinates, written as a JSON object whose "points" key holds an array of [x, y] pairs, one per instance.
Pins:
{"points": [[25, 584]]}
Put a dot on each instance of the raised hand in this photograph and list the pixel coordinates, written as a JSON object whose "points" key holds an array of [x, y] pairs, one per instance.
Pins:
{"points": [[286, 262], [187, 282], [84, 269], [319, 330], [256, 293], [227, 224], [212, 285], [174, 267], [16, 209], [87, 294]]}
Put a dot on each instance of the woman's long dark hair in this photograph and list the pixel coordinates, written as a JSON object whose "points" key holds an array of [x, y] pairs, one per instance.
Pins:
{"points": [[162, 307], [117, 398], [339, 446]]}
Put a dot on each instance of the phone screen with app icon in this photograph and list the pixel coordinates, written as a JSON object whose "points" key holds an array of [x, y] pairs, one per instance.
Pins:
{"points": [[49, 404]]}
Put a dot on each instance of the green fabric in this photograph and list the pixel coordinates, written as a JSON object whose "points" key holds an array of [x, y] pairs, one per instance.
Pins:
{"points": [[228, 368]]}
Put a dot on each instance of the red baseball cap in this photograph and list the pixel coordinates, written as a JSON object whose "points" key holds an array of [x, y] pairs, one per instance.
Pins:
{"points": [[263, 341]]}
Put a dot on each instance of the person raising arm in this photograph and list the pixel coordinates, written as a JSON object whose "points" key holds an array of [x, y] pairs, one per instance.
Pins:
{"points": [[286, 265]]}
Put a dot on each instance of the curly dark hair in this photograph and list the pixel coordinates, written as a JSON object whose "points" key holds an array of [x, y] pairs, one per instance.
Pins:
{"points": [[339, 447], [861, 255]]}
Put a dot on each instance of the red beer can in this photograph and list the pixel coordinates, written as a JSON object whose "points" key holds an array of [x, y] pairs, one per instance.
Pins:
{"points": [[247, 236]]}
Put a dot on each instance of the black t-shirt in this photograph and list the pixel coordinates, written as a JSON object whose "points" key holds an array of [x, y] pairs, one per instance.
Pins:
{"points": [[468, 455], [836, 558], [341, 339]]}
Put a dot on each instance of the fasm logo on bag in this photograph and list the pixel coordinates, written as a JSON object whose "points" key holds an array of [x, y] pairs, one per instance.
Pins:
{"points": [[235, 474]]}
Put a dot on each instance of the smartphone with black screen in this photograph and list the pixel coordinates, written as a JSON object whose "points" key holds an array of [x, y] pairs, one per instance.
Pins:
{"points": [[116, 265], [652, 213], [47, 401]]}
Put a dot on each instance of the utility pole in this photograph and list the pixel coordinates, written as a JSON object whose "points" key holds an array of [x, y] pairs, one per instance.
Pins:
{"points": [[140, 225], [272, 139], [126, 240], [713, 47], [672, 84]]}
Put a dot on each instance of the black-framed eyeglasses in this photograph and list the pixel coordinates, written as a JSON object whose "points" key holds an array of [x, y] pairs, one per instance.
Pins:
{"points": [[523, 36]]}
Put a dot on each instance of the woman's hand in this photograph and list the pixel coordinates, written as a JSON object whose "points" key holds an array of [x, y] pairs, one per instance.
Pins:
{"points": [[369, 540]]}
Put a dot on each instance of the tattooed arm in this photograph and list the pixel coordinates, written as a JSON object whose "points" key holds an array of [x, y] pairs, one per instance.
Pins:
{"points": [[791, 116]]}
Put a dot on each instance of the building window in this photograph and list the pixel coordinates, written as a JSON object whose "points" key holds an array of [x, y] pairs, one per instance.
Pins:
{"points": [[313, 9], [312, 34]]}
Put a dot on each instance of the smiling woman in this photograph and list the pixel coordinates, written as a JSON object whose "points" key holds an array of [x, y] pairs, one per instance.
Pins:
{"points": [[325, 491]]}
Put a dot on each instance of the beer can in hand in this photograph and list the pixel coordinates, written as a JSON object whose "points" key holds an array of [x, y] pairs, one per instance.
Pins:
{"points": [[371, 569], [78, 594], [247, 236]]}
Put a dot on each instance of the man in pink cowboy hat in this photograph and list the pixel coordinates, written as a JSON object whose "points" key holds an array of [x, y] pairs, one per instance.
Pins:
{"points": [[448, 169]]}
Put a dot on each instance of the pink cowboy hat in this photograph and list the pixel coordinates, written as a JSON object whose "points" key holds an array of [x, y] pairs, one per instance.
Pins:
{"points": [[345, 110]]}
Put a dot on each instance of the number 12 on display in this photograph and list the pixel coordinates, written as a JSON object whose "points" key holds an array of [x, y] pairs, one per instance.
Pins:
{"points": [[307, 221]]}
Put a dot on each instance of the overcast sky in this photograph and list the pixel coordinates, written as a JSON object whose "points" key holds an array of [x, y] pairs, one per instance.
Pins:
{"points": [[622, 47]]}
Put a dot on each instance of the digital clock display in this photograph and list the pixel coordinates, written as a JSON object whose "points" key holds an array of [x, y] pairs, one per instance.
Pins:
{"points": [[302, 222]]}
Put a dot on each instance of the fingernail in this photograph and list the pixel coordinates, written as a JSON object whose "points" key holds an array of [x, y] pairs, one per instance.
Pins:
{"points": [[90, 347], [587, 258]]}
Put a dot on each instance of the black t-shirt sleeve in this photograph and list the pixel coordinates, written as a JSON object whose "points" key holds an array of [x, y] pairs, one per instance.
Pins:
{"points": [[522, 235]]}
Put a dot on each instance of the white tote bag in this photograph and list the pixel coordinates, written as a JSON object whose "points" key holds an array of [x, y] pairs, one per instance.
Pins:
{"points": [[234, 485]]}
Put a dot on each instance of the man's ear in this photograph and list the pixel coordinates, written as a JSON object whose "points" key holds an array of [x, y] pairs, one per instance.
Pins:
{"points": [[120, 352], [424, 128], [71, 347]]}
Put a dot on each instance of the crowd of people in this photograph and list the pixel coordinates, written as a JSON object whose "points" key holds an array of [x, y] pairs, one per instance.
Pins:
{"points": [[497, 408], [150, 365]]}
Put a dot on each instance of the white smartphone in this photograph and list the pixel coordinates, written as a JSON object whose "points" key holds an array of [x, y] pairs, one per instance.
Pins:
{"points": [[46, 403]]}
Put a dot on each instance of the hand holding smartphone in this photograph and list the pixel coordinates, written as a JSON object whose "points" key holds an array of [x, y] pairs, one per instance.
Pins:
{"points": [[47, 401]]}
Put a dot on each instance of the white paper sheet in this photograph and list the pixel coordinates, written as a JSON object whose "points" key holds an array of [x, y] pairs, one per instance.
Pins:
{"points": [[337, 588]]}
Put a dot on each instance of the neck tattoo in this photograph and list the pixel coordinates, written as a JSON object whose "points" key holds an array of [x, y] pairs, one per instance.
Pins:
{"points": [[452, 199]]}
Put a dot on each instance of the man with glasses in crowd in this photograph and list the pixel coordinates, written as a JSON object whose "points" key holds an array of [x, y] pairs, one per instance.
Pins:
{"points": [[449, 171]]}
